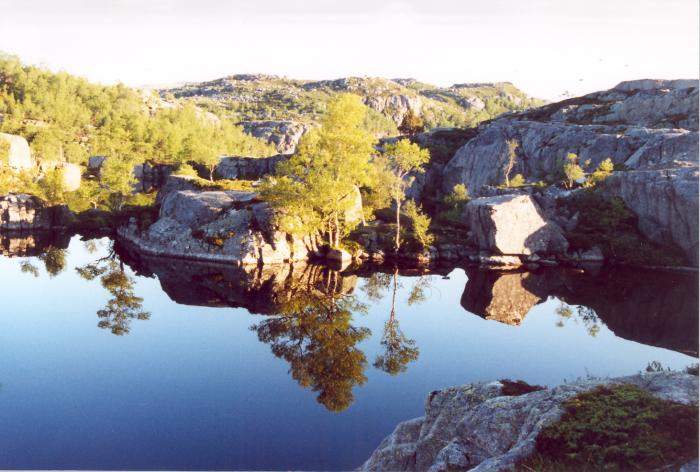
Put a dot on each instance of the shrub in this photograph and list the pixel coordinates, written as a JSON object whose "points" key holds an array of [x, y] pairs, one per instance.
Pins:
{"points": [[572, 171], [620, 427], [419, 223], [604, 170], [517, 181]]}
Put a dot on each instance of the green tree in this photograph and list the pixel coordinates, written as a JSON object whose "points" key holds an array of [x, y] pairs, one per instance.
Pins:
{"points": [[52, 187], [402, 159], [511, 158], [315, 188], [411, 124], [419, 223], [117, 180], [572, 171]]}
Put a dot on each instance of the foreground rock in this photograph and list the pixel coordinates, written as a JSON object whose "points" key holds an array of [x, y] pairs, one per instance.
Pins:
{"points": [[513, 225], [475, 427]]}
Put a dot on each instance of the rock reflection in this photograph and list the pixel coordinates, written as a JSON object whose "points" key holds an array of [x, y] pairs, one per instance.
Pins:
{"points": [[651, 307], [124, 305]]}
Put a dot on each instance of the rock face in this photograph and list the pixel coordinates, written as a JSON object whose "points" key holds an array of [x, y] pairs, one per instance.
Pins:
{"points": [[284, 135], [19, 157], [648, 127], [216, 226], [151, 177], [20, 212], [512, 224], [247, 168], [474, 427], [666, 202]]}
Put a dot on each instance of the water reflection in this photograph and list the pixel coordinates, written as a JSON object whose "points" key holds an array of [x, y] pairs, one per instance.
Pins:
{"points": [[654, 308], [124, 305], [313, 332], [398, 350]]}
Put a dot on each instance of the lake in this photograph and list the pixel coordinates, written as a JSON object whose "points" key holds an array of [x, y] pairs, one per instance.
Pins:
{"points": [[114, 361]]}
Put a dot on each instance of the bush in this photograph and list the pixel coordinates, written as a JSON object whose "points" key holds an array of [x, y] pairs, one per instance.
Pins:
{"points": [[517, 181], [419, 223], [621, 427]]}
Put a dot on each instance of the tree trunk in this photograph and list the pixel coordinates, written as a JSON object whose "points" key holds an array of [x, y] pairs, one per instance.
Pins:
{"points": [[211, 174], [397, 242]]}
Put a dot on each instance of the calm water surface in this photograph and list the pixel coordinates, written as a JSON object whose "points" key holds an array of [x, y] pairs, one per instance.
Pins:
{"points": [[116, 363]]}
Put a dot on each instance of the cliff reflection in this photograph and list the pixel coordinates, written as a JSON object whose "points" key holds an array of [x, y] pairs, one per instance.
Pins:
{"points": [[654, 308]]}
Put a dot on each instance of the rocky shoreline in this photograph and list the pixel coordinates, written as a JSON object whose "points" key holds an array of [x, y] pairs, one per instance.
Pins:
{"points": [[480, 428]]}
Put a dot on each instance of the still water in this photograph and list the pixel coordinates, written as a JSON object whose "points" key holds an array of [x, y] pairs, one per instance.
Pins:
{"points": [[116, 362]]}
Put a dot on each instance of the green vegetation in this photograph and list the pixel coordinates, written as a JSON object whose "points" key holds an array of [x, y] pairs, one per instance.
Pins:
{"points": [[610, 225], [316, 188], [411, 124], [511, 157], [572, 171], [401, 159], [419, 224], [619, 427], [263, 97], [451, 208], [602, 172], [66, 119]]}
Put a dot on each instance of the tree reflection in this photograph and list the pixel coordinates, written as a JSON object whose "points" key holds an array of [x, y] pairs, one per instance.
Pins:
{"points": [[313, 332], [124, 304], [54, 260], [398, 349], [586, 315]]}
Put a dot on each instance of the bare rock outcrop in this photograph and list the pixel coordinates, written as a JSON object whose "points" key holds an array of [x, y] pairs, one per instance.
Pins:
{"points": [[512, 225], [284, 135], [19, 156], [475, 427], [648, 128], [224, 226]]}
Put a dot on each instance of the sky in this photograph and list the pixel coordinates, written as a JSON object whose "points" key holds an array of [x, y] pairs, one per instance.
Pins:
{"points": [[548, 48]]}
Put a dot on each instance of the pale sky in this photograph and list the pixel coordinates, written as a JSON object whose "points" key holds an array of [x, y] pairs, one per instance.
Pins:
{"points": [[545, 47]]}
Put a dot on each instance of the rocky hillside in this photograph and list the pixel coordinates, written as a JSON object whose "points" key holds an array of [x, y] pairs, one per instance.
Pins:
{"points": [[281, 109], [647, 128]]}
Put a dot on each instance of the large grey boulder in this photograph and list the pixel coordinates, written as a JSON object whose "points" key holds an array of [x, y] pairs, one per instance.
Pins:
{"points": [[19, 156], [514, 225], [475, 427], [219, 226]]}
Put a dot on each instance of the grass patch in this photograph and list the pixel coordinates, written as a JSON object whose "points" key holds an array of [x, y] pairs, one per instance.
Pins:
{"points": [[239, 185], [616, 428]]}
